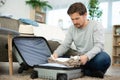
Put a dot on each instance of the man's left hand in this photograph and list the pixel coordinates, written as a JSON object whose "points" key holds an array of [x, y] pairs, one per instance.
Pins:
{"points": [[83, 59]]}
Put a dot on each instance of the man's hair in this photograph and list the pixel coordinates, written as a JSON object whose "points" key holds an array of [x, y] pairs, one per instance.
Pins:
{"points": [[77, 7]]}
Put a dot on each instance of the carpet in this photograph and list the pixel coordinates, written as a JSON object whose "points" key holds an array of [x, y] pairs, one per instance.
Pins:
{"points": [[4, 74], [27, 77]]}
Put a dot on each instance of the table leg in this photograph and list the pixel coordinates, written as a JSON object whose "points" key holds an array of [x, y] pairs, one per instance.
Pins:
{"points": [[10, 54]]}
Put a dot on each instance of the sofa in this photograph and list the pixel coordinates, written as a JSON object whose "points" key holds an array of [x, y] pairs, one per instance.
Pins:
{"points": [[9, 24]]}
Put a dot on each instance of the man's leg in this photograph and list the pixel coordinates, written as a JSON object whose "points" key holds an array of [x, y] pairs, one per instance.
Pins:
{"points": [[97, 66]]}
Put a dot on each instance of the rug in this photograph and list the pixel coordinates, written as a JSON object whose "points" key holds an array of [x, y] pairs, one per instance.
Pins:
{"points": [[4, 74], [27, 77]]}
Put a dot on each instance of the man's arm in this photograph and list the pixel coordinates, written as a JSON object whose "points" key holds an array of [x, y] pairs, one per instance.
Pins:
{"points": [[98, 36], [63, 48]]}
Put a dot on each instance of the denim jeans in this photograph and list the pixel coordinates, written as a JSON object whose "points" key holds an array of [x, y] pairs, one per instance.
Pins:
{"points": [[100, 62]]}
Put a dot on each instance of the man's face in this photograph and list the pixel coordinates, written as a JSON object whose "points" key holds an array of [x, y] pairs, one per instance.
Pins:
{"points": [[78, 20]]}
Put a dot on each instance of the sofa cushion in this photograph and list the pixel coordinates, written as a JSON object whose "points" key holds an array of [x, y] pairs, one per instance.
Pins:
{"points": [[26, 29]]}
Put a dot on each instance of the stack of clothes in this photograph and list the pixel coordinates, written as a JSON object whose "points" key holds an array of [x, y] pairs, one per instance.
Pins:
{"points": [[73, 61]]}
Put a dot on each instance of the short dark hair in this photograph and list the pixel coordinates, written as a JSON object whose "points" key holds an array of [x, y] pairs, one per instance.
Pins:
{"points": [[77, 7]]}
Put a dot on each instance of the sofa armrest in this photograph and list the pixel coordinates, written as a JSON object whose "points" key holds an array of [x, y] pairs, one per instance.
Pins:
{"points": [[9, 23]]}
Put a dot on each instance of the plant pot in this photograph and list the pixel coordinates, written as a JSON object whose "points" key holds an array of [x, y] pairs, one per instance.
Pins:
{"points": [[38, 9]]}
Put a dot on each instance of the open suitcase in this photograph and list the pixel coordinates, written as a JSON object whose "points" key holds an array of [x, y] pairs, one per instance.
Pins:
{"points": [[33, 52]]}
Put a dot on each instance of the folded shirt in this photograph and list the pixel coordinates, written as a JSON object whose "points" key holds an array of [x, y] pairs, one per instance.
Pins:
{"points": [[70, 62], [28, 21]]}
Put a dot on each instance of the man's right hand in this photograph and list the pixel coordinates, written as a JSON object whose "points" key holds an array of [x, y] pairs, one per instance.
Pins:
{"points": [[54, 55]]}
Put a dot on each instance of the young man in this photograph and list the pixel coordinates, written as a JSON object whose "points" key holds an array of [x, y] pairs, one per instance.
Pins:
{"points": [[88, 37]]}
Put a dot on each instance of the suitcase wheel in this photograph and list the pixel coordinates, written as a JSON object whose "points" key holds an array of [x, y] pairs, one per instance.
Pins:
{"points": [[34, 74], [22, 68], [61, 76]]}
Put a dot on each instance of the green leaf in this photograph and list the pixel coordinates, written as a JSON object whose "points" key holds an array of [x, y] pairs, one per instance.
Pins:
{"points": [[38, 3], [94, 10]]}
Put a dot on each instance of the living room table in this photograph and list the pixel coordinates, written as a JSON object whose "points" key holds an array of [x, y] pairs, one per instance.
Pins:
{"points": [[10, 33]]}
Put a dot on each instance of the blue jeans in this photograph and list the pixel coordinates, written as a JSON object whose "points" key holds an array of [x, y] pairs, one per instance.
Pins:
{"points": [[100, 62]]}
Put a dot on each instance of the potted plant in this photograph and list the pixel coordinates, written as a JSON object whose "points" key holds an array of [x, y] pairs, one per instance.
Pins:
{"points": [[94, 11], [38, 4]]}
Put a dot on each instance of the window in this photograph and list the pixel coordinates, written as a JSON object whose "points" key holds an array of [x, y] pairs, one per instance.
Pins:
{"points": [[59, 18], [104, 17], [116, 12], [110, 16]]}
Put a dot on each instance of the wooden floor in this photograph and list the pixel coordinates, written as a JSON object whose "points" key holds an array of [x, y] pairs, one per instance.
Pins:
{"points": [[4, 69], [113, 70]]}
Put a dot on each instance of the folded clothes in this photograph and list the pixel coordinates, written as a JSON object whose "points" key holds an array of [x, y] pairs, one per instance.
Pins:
{"points": [[71, 62]]}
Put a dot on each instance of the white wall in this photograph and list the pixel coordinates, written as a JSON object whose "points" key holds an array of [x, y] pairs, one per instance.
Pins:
{"points": [[17, 8], [65, 3], [108, 42]]}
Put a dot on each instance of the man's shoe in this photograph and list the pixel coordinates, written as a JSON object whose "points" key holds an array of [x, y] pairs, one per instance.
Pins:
{"points": [[98, 74]]}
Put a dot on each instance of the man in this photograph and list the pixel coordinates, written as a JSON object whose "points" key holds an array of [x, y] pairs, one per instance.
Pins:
{"points": [[88, 37]]}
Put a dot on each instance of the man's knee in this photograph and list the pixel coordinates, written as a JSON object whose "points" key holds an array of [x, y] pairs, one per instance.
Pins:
{"points": [[53, 45], [102, 60], [104, 57]]}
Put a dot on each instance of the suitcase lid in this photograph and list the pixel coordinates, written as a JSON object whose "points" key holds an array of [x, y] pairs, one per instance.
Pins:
{"points": [[33, 50]]}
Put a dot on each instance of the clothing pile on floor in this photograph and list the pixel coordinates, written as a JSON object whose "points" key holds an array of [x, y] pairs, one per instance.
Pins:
{"points": [[73, 61]]}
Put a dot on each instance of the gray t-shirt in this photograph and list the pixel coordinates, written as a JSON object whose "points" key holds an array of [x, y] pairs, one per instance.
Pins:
{"points": [[88, 40]]}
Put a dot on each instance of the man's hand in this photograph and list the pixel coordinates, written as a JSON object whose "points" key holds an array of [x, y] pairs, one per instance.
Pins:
{"points": [[54, 55], [83, 59]]}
